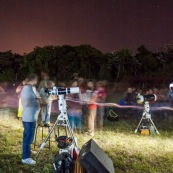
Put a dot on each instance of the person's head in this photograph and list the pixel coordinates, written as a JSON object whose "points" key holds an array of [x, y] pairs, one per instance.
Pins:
{"points": [[134, 89], [74, 83], [25, 81], [82, 84], [129, 90], [49, 84], [32, 79], [155, 91], [90, 85], [150, 91]]}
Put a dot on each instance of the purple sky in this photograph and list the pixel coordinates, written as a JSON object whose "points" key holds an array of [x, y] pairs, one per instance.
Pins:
{"points": [[104, 24]]}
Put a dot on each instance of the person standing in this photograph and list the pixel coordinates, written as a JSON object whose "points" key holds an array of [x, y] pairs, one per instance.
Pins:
{"points": [[18, 91], [74, 110], [46, 105], [92, 107], [30, 113], [101, 96]]}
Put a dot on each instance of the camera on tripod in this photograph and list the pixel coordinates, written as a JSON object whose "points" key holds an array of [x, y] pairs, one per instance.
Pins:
{"points": [[143, 98], [56, 90]]}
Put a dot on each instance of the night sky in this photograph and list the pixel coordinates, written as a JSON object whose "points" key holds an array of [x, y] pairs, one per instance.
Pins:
{"points": [[104, 24]]}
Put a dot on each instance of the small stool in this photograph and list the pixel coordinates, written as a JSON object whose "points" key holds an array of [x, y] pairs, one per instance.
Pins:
{"points": [[42, 126]]}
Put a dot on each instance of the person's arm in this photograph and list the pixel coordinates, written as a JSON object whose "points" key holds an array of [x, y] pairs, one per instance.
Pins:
{"points": [[18, 89]]}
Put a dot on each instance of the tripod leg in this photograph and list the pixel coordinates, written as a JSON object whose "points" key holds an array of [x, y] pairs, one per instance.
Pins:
{"points": [[71, 132], [154, 126], [139, 124], [48, 136]]}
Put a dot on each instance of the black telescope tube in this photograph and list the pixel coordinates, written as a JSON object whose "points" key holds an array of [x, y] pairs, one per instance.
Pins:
{"points": [[150, 97], [63, 91]]}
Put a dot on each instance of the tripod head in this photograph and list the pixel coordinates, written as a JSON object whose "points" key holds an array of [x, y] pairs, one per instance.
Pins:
{"points": [[61, 100]]}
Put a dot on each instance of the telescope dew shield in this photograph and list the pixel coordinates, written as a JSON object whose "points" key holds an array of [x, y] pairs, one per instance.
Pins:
{"points": [[148, 97], [73, 90]]}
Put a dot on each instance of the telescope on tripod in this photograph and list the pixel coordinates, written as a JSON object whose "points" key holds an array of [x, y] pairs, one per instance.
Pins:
{"points": [[145, 99], [66, 144]]}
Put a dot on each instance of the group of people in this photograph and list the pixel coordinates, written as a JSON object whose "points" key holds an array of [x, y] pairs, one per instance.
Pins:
{"points": [[33, 100], [87, 109], [164, 97]]}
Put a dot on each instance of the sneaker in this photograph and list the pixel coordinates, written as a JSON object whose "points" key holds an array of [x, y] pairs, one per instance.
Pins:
{"points": [[90, 133], [29, 161]]}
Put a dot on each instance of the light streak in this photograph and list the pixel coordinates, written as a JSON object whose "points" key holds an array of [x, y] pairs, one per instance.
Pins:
{"points": [[118, 106]]}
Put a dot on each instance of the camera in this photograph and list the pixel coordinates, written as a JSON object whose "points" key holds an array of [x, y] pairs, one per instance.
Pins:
{"points": [[59, 90], [143, 98]]}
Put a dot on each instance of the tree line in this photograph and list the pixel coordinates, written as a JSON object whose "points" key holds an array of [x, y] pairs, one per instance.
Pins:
{"points": [[61, 62]]}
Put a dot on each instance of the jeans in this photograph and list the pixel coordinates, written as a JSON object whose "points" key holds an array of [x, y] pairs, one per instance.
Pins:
{"points": [[45, 112], [75, 119], [28, 137]]}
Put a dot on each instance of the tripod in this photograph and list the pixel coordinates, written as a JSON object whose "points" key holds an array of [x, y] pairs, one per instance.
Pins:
{"points": [[62, 120], [146, 116]]}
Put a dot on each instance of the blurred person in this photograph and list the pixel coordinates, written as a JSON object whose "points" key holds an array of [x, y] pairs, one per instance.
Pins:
{"points": [[82, 84], [154, 113], [42, 84], [30, 113], [3, 96], [18, 91], [46, 103], [130, 100], [101, 96], [74, 110], [170, 99], [130, 97], [92, 107], [163, 101]]}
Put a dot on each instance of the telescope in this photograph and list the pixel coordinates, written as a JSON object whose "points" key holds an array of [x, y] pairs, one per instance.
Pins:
{"points": [[61, 91], [143, 98]]}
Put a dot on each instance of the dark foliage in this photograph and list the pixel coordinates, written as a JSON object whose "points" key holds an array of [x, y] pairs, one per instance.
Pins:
{"points": [[61, 62]]}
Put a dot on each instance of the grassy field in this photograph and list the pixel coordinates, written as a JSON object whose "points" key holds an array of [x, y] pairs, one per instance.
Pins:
{"points": [[130, 152]]}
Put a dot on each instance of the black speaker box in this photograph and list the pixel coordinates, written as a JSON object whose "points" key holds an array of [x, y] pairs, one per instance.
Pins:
{"points": [[94, 160]]}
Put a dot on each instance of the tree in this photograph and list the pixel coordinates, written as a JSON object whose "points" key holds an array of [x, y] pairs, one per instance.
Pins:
{"points": [[89, 59], [164, 58], [122, 63], [9, 66]]}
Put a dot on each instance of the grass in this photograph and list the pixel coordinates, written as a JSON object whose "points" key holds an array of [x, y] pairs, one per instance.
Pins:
{"points": [[130, 152]]}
